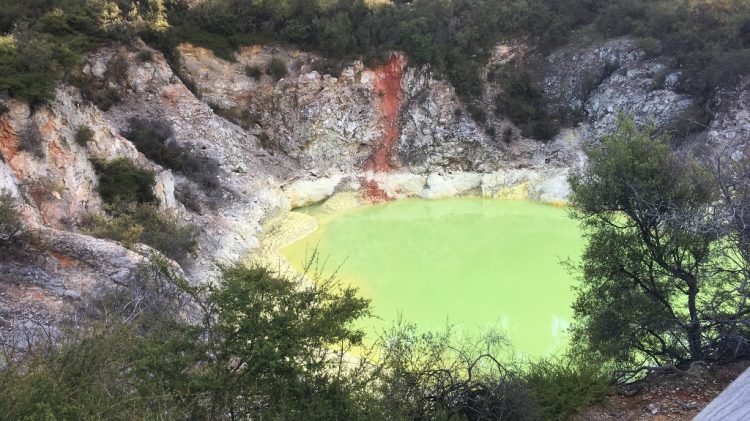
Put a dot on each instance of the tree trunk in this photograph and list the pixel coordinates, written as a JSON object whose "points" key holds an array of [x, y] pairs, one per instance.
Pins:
{"points": [[694, 330]]}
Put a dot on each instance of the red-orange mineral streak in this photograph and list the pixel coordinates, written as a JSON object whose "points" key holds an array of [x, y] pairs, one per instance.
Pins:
{"points": [[8, 141], [387, 85]]}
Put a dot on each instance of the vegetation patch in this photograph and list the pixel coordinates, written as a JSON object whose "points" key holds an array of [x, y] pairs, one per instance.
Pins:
{"points": [[30, 140], [84, 135], [145, 223], [254, 72], [12, 232], [522, 100], [155, 139], [266, 347], [277, 68], [121, 181]]}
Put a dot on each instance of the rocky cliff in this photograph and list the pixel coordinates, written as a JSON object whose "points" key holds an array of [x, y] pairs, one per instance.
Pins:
{"points": [[287, 140]]}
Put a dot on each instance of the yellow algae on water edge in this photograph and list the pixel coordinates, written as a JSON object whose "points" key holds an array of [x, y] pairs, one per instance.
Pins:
{"points": [[278, 232]]}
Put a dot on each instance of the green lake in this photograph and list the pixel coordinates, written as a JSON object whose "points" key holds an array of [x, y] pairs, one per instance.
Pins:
{"points": [[477, 264]]}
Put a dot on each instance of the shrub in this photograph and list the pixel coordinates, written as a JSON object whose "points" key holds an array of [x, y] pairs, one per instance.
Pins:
{"points": [[84, 135], [32, 63], [508, 135], [329, 67], [11, 227], [186, 194], [438, 375], [254, 72], [121, 181], [564, 387], [691, 120], [522, 100], [30, 140], [650, 46], [145, 55], [660, 80], [97, 92], [4, 109], [477, 113], [146, 223], [106, 98], [277, 68], [154, 139], [150, 137]]}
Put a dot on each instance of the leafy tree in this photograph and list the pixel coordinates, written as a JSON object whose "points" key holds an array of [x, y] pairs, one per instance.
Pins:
{"points": [[648, 289], [270, 340]]}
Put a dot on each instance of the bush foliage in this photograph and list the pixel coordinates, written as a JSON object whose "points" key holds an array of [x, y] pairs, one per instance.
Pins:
{"points": [[522, 100], [121, 181], [30, 140], [155, 139], [709, 40], [661, 276], [146, 223], [84, 135], [268, 347], [11, 227]]}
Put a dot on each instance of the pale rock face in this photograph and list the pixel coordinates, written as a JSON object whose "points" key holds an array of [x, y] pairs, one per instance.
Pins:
{"points": [[555, 189], [572, 71], [332, 124], [8, 181], [398, 185], [450, 185], [731, 123], [249, 178], [437, 132], [326, 124], [630, 91], [307, 192]]}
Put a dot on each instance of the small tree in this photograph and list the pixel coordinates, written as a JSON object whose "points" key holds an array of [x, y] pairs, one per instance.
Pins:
{"points": [[271, 344], [646, 274]]}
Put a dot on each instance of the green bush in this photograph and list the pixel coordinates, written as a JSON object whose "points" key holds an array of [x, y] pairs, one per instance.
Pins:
{"points": [[103, 97], [147, 224], [268, 347], [331, 67], [522, 100], [564, 387], [30, 65], [145, 55], [150, 137], [84, 135], [11, 227], [277, 68], [121, 181], [4, 109], [259, 352], [154, 138], [254, 72], [30, 140]]}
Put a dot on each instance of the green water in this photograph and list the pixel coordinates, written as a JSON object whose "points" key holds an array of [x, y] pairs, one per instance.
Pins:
{"points": [[475, 263]]}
